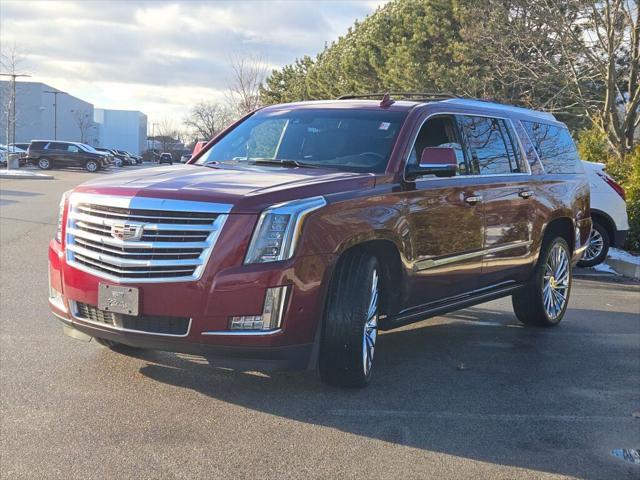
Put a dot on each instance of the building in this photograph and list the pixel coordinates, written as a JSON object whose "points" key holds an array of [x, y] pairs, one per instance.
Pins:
{"points": [[121, 129], [43, 115]]}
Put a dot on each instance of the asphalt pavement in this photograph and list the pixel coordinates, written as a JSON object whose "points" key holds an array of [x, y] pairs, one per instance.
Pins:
{"points": [[473, 394]]}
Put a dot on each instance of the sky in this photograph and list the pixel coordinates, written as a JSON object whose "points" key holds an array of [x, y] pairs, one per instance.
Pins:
{"points": [[162, 57]]}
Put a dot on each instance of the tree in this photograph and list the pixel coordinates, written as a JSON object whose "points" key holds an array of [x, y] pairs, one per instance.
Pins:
{"points": [[249, 74], [84, 122], [207, 119], [577, 57], [167, 133]]}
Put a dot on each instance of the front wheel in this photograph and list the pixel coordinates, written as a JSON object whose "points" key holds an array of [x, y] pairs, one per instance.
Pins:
{"points": [[351, 322], [597, 248], [543, 301]]}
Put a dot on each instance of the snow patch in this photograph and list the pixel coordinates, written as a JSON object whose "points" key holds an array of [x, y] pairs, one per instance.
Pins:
{"points": [[617, 254]]}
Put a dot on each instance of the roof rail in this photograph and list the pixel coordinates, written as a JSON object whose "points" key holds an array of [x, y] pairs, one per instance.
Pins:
{"points": [[419, 96]]}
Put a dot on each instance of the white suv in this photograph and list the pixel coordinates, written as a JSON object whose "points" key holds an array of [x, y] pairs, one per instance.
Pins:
{"points": [[608, 213]]}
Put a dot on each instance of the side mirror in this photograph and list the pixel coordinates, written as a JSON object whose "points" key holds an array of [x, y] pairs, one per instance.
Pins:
{"points": [[438, 161]]}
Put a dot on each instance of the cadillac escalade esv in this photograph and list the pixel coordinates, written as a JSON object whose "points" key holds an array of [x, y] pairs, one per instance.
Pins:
{"points": [[303, 229]]}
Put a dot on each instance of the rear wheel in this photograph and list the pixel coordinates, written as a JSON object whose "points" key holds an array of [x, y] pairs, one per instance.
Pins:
{"points": [[92, 166], [351, 322], [597, 248], [543, 302], [44, 164]]}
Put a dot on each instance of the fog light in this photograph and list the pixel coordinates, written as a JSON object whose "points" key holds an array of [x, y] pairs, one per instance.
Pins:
{"points": [[271, 318], [56, 298]]}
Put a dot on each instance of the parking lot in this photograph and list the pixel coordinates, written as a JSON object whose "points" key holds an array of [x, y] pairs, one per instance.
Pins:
{"points": [[473, 394]]}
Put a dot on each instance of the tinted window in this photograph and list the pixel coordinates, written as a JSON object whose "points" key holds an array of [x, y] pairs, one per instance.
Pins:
{"points": [[490, 146], [56, 146], [555, 147], [72, 148], [344, 139], [438, 131]]}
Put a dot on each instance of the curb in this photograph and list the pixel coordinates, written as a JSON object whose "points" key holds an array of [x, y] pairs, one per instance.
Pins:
{"points": [[628, 269], [26, 176]]}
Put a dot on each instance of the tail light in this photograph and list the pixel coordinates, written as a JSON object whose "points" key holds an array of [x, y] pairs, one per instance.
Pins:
{"points": [[613, 184]]}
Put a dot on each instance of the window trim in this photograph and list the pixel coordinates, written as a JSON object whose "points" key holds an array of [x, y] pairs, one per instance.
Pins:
{"points": [[464, 147]]}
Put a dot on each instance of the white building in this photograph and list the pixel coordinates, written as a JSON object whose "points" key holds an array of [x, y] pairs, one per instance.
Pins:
{"points": [[42, 115], [122, 129]]}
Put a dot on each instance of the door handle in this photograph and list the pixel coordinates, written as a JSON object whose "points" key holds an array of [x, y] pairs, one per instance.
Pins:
{"points": [[526, 194], [473, 200]]}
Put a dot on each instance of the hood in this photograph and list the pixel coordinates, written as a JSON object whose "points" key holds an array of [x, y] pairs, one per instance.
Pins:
{"points": [[248, 188]]}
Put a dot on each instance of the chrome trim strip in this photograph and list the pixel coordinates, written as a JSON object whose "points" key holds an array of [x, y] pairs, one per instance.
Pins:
{"points": [[74, 315], [432, 263], [242, 333], [150, 203]]}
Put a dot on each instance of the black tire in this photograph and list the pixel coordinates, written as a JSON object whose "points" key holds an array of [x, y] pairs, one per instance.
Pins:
{"points": [[529, 302], [598, 247], [92, 166], [44, 164], [347, 337]]}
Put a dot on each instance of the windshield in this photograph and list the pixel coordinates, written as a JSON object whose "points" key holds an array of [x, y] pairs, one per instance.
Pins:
{"points": [[87, 148], [344, 139]]}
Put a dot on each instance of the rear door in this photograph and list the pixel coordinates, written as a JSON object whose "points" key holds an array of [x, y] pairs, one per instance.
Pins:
{"points": [[445, 222], [504, 185]]}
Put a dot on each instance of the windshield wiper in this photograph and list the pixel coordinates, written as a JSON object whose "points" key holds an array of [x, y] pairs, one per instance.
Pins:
{"points": [[284, 162]]}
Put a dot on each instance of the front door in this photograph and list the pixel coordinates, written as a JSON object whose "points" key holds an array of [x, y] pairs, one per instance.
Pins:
{"points": [[446, 223]]}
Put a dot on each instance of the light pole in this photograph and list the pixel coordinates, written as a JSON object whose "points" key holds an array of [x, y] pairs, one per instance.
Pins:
{"points": [[55, 110], [12, 109]]}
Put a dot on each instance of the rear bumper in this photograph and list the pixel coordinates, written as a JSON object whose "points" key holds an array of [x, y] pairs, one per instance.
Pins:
{"points": [[620, 236]]}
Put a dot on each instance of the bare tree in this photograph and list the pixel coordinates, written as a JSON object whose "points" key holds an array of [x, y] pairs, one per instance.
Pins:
{"points": [[249, 73], [11, 60], [207, 119], [580, 56], [167, 133], [84, 123]]}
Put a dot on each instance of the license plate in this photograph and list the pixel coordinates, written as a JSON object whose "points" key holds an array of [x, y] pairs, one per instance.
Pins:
{"points": [[113, 298]]}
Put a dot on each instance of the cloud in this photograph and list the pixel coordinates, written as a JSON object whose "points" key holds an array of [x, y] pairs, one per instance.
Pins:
{"points": [[161, 57]]}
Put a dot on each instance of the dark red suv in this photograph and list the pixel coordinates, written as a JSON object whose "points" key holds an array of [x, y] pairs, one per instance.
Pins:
{"points": [[304, 228]]}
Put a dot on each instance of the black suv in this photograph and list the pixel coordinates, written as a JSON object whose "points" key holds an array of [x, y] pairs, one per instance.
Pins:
{"points": [[52, 153]]}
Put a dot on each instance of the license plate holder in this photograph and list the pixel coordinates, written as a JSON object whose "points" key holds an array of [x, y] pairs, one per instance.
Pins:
{"points": [[118, 299]]}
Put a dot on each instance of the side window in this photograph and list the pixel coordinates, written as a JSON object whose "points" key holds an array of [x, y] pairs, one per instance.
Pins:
{"points": [[439, 131], [72, 148], [555, 147], [490, 146]]}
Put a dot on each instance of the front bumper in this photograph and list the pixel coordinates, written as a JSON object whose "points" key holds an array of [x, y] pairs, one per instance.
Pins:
{"points": [[210, 302]]}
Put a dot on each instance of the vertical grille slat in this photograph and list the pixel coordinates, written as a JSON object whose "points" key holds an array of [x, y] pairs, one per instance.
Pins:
{"points": [[171, 239]]}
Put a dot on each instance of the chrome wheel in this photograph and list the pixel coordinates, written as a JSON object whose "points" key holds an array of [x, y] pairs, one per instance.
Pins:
{"points": [[370, 333], [92, 166], [596, 244], [43, 163], [555, 285]]}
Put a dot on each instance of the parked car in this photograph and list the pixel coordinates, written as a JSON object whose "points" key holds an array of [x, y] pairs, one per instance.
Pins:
{"points": [[308, 227], [608, 213], [47, 154], [12, 150], [166, 158], [185, 158], [22, 146], [137, 159], [124, 159]]}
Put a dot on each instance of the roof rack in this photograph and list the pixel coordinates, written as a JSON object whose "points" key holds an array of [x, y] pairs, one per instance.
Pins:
{"points": [[419, 96]]}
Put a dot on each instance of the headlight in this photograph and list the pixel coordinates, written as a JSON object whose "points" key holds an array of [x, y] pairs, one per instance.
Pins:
{"points": [[63, 202], [278, 230]]}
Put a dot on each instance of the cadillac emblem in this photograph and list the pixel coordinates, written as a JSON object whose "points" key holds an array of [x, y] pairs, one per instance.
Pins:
{"points": [[127, 231]]}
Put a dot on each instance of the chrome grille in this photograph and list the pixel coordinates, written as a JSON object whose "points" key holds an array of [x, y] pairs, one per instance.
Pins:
{"points": [[172, 239]]}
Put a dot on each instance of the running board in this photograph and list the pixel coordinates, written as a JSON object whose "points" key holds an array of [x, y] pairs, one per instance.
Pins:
{"points": [[446, 306]]}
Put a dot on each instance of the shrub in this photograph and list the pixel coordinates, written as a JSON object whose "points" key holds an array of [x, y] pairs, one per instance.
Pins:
{"points": [[632, 189]]}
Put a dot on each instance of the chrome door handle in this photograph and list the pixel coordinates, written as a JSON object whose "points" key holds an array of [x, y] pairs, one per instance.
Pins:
{"points": [[473, 200], [526, 194]]}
